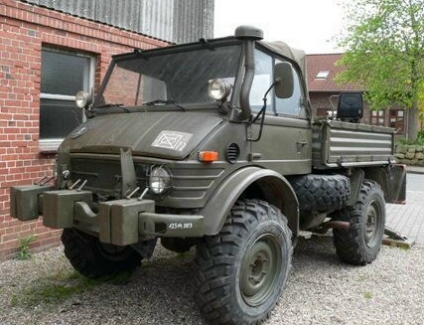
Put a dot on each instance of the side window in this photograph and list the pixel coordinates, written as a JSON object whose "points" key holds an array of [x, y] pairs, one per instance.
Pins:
{"points": [[261, 81], [63, 74], [293, 105]]}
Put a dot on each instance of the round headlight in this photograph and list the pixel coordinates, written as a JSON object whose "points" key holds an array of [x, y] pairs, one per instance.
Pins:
{"points": [[219, 89], [160, 179], [82, 99]]}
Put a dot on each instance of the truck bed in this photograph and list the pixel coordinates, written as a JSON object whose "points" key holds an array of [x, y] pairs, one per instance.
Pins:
{"points": [[338, 144]]}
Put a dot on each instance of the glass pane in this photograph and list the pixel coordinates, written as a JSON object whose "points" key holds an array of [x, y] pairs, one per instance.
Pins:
{"points": [[182, 76], [58, 118], [292, 105], [261, 81], [63, 74]]}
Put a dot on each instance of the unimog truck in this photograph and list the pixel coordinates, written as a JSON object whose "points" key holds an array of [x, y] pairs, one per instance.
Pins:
{"points": [[213, 144]]}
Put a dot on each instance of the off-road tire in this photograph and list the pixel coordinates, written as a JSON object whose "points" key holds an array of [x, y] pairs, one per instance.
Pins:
{"points": [[361, 243], [96, 260], [243, 270], [321, 192]]}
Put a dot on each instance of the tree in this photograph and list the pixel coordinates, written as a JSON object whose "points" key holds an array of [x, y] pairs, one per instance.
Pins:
{"points": [[384, 45]]}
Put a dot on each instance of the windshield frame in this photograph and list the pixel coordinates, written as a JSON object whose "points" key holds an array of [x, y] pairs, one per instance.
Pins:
{"points": [[201, 45]]}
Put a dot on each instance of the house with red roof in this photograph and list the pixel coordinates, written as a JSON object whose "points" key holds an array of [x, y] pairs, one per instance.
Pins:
{"points": [[323, 91]]}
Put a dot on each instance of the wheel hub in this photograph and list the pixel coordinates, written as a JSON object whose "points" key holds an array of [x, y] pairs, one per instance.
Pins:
{"points": [[371, 226], [260, 269]]}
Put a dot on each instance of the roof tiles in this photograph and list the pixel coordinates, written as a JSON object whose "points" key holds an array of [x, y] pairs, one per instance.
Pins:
{"points": [[321, 71]]}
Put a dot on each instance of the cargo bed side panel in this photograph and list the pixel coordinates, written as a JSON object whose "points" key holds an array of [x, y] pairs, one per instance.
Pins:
{"points": [[343, 144]]}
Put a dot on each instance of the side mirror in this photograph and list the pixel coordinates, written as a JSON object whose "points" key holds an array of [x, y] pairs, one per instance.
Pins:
{"points": [[283, 80], [350, 106]]}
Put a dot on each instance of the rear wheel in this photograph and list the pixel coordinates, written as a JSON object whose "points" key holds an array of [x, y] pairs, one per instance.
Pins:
{"points": [[94, 259], [242, 270], [361, 243]]}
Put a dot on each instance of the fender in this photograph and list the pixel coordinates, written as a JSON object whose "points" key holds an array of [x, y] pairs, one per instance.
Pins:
{"points": [[273, 187]]}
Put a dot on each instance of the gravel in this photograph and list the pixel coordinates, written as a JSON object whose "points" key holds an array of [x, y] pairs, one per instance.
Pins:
{"points": [[320, 290]]}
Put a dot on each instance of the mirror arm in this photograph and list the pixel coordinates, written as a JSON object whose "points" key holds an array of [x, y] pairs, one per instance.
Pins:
{"points": [[261, 113]]}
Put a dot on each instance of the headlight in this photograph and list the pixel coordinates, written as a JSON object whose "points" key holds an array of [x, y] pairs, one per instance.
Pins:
{"points": [[82, 99], [219, 89], [159, 180]]}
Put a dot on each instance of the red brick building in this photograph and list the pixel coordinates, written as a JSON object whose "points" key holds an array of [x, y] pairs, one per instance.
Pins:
{"points": [[46, 56], [321, 71]]}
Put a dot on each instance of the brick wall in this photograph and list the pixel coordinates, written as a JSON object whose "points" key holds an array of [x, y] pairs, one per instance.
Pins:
{"points": [[24, 29]]}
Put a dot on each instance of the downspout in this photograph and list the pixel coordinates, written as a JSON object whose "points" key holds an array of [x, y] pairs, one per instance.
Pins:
{"points": [[249, 35]]}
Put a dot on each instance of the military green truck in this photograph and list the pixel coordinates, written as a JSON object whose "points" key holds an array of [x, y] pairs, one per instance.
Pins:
{"points": [[213, 144]]}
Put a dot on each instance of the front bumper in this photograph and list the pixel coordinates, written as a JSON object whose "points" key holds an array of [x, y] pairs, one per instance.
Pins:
{"points": [[118, 222]]}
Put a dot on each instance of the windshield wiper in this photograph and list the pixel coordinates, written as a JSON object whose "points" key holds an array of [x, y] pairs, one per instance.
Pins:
{"points": [[118, 105], [164, 102]]}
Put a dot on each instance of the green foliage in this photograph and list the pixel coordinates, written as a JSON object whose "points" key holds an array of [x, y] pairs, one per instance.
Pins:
{"points": [[367, 295], [23, 248], [385, 52], [419, 140]]}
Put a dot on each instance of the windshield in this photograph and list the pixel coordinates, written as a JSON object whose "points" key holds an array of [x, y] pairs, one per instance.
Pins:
{"points": [[177, 77]]}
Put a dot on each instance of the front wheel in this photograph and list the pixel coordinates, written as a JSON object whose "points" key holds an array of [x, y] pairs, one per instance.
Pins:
{"points": [[242, 270], [361, 243], [94, 259]]}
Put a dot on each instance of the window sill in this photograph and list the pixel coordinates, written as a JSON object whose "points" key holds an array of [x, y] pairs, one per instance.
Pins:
{"points": [[49, 146]]}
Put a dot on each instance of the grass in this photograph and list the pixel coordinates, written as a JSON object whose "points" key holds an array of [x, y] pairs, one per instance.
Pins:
{"points": [[63, 285], [23, 247], [367, 295], [52, 290]]}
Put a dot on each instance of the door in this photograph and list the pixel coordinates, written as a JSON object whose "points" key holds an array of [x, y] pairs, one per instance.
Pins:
{"points": [[285, 144]]}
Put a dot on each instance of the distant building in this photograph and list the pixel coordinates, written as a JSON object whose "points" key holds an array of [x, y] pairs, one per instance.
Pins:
{"points": [[50, 49], [321, 71]]}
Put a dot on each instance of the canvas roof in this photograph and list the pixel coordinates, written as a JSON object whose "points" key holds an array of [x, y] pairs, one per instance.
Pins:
{"points": [[283, 49]]}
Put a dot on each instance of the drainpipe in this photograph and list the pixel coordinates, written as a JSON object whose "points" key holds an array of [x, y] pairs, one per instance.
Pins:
{"points": [[249, 35]]}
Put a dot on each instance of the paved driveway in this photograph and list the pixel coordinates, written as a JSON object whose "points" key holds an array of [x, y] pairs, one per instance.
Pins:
{"points": [[408, 219]]}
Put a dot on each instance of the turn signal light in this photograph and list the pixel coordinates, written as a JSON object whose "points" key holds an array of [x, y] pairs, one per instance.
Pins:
{"points": [[208, 156]]}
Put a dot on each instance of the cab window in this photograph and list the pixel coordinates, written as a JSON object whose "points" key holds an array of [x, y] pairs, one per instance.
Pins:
{"points": [[293, 105], [261, 81]]}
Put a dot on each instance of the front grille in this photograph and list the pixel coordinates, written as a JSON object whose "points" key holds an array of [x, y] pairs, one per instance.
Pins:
{"points": [[104, 177]]}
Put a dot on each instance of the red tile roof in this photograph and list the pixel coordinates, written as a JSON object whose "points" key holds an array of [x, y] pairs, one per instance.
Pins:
{"points": [[316, 63]]}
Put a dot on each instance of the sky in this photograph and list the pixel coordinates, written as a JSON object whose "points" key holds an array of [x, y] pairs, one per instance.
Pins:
{"points": [[309, 25]]}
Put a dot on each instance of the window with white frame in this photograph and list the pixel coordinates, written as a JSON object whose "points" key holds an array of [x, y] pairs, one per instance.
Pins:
{"points": [[63, 74], [377, 117]]}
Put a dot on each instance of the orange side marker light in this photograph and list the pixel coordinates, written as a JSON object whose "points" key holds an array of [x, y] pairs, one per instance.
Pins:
{"points": [[208, 156]]}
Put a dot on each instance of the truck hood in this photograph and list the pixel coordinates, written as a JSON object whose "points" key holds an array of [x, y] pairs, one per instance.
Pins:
{"points": [[171, 135]]}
